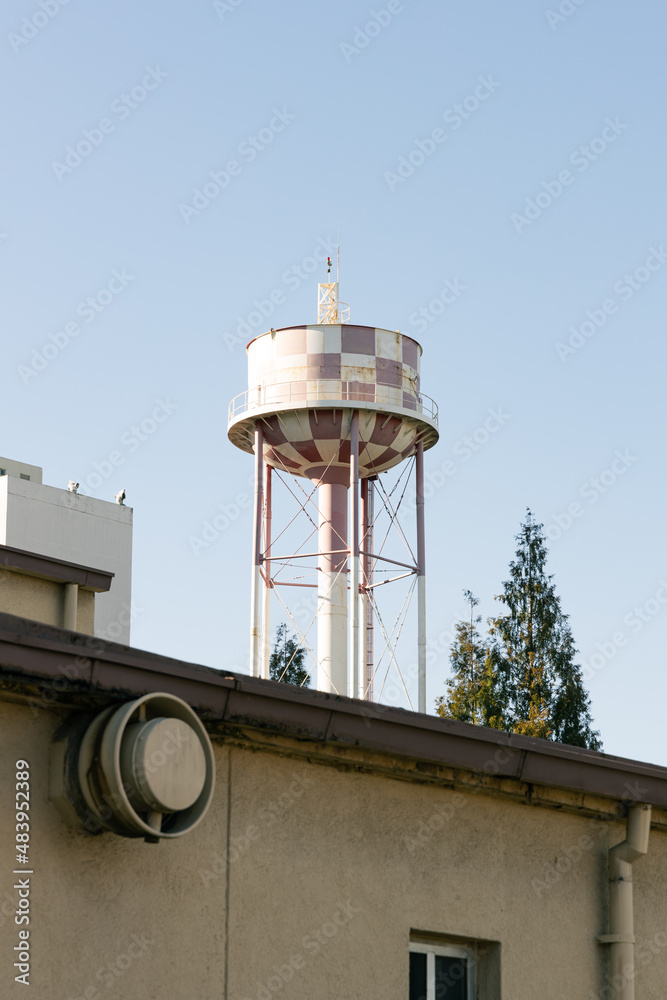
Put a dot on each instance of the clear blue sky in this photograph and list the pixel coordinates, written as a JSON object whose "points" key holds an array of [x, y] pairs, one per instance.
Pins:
{"points": [[539, 197]]}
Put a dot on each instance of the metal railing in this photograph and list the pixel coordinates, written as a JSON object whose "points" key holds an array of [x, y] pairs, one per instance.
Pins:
{"points": [[299, 392]]}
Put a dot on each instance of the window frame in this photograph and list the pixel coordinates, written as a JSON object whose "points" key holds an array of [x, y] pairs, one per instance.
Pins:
{"points": [[447, 951]]}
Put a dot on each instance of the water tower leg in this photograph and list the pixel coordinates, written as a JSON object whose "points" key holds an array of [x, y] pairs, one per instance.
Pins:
{"points": [[266, 616], [421, 579], [354, 556], [363, 596], [255, 600], [332, 589]]}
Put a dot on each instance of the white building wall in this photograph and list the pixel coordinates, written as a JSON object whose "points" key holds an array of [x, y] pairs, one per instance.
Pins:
{"points": [[79, 529], [18, 469]]}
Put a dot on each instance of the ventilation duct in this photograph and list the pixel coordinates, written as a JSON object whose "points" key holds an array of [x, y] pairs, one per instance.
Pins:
{"points": [[144, 769]]}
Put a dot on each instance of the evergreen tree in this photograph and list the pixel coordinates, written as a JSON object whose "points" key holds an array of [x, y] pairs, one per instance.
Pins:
{"points": [[524, 677], [534, 644], [476, 691], [286, 662]]}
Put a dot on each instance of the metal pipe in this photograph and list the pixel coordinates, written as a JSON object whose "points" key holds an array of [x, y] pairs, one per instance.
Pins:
{"points": [[266, 617], [391, 579], [354, 554], [621, 917], [363, 595], [370, 624], [421, 579], [332, 589], [255, 606], [394, 562], [71, 606], [306, 555]]}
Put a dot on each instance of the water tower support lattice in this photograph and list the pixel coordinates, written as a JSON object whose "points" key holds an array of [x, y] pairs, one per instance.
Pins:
{"points": [[337, 405]]}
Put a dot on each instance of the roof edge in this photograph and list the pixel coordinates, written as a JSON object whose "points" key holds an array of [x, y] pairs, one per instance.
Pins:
{"points": [[58, 570], [92, 672]]}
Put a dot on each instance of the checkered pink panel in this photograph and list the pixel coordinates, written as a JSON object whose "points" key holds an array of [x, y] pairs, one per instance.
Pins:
{"points": [[315, 443], [337, 362]]}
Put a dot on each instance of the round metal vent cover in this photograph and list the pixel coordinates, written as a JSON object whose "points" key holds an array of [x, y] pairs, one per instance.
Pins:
{"points": [[144, 769]]}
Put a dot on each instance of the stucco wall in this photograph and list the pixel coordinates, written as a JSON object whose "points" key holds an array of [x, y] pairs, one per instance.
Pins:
{"points": [[30, 597], [85, 618], [324, 873], [43, 600]]}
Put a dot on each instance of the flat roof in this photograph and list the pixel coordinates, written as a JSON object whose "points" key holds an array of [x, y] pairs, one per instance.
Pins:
{"points": [[93, 673]]}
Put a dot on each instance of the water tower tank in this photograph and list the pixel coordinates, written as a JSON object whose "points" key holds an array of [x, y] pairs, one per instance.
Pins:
{"points": [[336, 404]]}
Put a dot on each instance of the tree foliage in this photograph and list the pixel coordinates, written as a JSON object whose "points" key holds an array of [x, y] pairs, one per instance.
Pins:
{"points": [[476, 690], [523, 678], [286, 661]]}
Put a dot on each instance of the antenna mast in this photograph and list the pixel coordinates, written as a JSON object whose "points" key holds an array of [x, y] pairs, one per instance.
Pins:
{"points": [[330, 309]]}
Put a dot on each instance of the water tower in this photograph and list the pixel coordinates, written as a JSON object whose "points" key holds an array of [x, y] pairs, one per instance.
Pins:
{"points": [[335, 404]]}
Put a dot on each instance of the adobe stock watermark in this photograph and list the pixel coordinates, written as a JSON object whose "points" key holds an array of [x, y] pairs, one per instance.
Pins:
{"points": [[445, 813], [428, 828], [227, 514], [128, 613], [644, 955], [635, 621], [109, 974], [248, 150], [596, 836], [364, 35], [35, 22], [224, 7], [625, 288], [454, 117], [269, 814], [591, 491], [393, 694], [570, 857], [170, 745], [462, 451], [106, 807], [312, 943], [449, 293], [565, 9], [581, 158], [130, 442], [303, 612], [88, 310], [121, 109], [293, 277], [71, 675]]}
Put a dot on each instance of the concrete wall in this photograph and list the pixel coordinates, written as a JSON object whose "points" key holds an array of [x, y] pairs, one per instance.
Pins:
{"points": [[77, 529], [43, 600], [305, 881]]}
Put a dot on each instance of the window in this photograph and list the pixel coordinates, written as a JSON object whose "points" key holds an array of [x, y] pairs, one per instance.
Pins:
{"points": [[453, 968], [3, 472], [441, 972], [23, 475]]}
